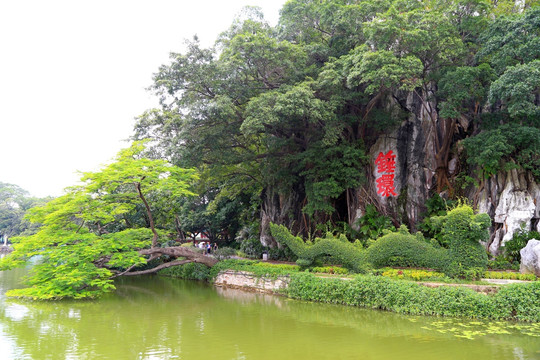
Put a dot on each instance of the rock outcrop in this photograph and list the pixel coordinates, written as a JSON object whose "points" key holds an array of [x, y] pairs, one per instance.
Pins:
{"points": [[530, 258], [511, 198]]}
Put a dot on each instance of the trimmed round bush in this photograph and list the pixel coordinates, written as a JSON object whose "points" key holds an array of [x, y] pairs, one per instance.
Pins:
{"points": [[405, 250]]}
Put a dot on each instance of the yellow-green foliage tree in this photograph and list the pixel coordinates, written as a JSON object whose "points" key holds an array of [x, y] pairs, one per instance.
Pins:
{"points": [[85, 240]]}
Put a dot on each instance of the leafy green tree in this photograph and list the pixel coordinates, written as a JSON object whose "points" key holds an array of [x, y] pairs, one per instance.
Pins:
{"points": [[85, 241], [510, 134], [511, 40], [238, 117], [278, 121], [464, 91], [507, 146], [518, 89], [411, 44], [14, 203]]}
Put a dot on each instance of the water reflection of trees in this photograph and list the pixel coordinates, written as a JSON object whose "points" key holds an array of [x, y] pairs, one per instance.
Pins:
{"points": [[164, 318], [376, 324]]}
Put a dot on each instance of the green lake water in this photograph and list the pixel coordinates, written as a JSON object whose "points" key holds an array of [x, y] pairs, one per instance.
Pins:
{"points": [[161, 318]]}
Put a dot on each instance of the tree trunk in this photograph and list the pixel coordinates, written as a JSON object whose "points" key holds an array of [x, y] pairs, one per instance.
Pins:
{"points": [[148, 213], [281, 209]]}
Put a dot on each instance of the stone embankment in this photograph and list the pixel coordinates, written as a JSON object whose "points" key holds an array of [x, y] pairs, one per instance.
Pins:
{"points": [[249, 282]]}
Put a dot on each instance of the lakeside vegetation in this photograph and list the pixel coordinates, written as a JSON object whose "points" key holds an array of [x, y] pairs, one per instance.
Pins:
{"points": [[387, 289], [261, 144]]}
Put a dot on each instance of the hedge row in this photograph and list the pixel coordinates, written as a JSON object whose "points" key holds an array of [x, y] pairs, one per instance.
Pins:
{"points": [[512, 302], [460, 228], [405, 250], [343, 252]]}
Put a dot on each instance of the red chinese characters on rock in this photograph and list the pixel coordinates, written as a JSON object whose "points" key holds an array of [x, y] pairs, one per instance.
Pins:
{"points": [[386, 164]]}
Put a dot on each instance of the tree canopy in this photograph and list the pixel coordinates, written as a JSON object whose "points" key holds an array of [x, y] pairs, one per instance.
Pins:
{"points": [[285, 116], [14, 203], [97, 231], [277, 125]]}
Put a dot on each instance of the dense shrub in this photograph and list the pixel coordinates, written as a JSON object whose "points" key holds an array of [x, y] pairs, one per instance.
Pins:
{"points": [[436, 206], [502, 263], [372, 224], [342, 251], [518, 302], [252, 247], [401, 249], [463, 231], [189, 271], [281, 253], [511, 249]]}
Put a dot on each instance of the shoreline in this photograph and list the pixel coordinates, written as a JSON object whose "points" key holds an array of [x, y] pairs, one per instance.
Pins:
{"points": [[509, 302]]}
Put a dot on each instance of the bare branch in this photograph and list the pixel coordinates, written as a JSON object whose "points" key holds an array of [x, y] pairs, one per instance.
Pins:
{"points": [[157, 268]]}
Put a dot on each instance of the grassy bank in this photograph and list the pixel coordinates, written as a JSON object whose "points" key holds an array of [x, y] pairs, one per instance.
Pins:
{"points": [[512, 302]]}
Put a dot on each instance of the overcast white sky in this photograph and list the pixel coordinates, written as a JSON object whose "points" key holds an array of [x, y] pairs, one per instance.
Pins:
{"points": [[73, 74]]}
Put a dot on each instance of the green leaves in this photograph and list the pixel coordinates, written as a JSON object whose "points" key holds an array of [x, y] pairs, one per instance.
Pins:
{"points": [[464, 90], [511, 40], [382, 70], [493, 149], [85, 238], [14, 202], [518, 88], [287, 112]]}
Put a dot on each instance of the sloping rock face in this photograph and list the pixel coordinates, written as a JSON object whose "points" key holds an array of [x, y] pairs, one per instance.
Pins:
{"points": [[512, 199], [414, 166], [530, 258]]}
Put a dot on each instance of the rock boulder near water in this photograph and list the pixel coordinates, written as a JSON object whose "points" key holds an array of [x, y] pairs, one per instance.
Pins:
{"points": [[530, 258]]}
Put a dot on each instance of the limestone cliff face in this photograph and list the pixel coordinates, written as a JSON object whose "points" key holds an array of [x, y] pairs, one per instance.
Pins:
{"points": [[412, 143], [512, 198], [425, 152]]}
